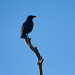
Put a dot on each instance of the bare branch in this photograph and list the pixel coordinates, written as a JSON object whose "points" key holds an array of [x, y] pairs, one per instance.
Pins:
{"points": [[35, 50]]}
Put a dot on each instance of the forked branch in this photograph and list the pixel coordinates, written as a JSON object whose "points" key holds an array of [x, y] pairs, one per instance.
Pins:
{"points": [[35, 50]]}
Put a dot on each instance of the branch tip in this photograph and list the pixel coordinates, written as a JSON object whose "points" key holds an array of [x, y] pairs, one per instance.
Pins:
{"points": [[35, 48]]}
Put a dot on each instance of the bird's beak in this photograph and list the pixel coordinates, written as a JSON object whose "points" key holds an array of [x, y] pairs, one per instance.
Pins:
{"points": [[34, 16]]}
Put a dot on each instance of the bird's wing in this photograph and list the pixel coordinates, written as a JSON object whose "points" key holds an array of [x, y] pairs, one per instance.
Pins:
{"points": [[23, 29]]}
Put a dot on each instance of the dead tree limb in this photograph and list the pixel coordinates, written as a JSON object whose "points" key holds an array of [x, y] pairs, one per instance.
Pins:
{"points": [[35, 50]]}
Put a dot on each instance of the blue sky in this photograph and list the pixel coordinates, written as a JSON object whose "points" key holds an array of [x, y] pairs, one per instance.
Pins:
{"points": [[53, 34]]}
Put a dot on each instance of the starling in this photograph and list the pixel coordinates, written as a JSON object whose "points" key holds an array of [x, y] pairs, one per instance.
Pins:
{"points": [[27, 26]]}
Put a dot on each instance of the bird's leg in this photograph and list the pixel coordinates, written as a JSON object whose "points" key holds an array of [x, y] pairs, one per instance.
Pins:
{"points": [[27, 36]]}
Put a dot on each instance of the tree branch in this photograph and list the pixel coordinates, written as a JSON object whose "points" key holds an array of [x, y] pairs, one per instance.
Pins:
{"points": [[35, 50]]}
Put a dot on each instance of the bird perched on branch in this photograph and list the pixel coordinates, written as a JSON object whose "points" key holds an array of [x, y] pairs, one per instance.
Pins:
{"points": [[27, 26]]}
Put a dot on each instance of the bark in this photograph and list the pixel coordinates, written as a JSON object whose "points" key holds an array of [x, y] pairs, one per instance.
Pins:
{"points": [[35, 50]]}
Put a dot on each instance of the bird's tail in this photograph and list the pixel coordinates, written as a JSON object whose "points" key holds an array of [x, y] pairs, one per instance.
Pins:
{"points": [[23, 36]]}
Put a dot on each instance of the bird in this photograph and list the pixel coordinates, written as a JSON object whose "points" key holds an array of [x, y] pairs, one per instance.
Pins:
{"points": [[27, 26]]}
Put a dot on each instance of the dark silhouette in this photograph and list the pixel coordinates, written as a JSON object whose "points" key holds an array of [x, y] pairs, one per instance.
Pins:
{"points": [[27, 26]]}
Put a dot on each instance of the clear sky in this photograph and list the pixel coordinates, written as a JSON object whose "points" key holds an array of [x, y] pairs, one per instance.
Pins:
{"points": [[53, 34]]}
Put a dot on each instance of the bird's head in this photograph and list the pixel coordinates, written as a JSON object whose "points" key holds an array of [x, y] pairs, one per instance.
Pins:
{"points": [[30, 17]]}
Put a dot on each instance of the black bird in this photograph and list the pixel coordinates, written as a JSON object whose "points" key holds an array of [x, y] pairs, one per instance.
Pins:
{"points": [[27, 26]]}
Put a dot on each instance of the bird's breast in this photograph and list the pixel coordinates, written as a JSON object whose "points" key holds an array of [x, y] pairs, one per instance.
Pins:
{"points": [[29, 27]]}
